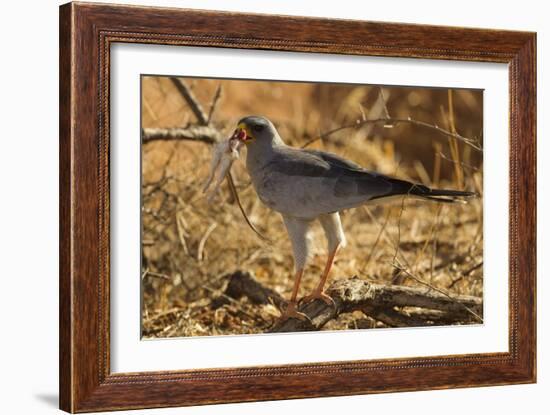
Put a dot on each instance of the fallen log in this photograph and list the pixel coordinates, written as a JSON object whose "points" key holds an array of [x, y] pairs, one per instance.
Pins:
{"points": [[393, 305]]}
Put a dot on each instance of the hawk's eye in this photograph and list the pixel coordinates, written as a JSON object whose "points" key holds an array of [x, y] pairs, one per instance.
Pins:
{"points": [[258, 127]]}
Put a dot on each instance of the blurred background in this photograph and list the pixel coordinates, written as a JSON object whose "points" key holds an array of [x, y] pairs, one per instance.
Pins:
{"points": [[432, 136]]}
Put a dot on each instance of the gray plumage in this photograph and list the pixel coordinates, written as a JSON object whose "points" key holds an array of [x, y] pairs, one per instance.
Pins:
{"points": [[305, 185]]}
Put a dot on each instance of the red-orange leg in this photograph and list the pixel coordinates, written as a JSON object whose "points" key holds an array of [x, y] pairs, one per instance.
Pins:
{"points": [[318, 292], [291, 309]]}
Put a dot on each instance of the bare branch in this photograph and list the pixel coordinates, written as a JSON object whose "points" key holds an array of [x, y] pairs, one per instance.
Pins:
{"points": [[465, 274], [395, 121], [203, 240], [384, 102], [149, 273], [217, 96], [399, 267], [367, 262], [464, 165], [191, 100], [440, 291], [205, 134]]}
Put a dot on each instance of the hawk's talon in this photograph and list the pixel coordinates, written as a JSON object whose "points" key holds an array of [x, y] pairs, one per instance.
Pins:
{"points": [[318, 295], [292, 312]]}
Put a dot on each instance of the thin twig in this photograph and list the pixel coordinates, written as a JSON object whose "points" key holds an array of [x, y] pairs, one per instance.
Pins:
{"points": [[464, 274], [400, 267], [200, 250], [191, 100], [437, 163], [434, 245], [181, 232], [383, 99], [148, 273], [377, 238], [447, 158], [213, 105], [472, 269], [394, 121], [435, 223], [453, 145], [399, 226], [149, 109]]}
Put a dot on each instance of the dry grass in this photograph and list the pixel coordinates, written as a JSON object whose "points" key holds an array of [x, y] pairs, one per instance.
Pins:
{"points": [[189, 244]]}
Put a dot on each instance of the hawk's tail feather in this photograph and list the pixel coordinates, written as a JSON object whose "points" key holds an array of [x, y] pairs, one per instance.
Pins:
{"points": [[443, 199], [440, 195]]}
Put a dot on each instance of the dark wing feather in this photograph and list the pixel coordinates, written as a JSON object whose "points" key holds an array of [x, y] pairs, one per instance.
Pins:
{"points": [[368, 182], [334, 159], [351, 179], [398, 186]]}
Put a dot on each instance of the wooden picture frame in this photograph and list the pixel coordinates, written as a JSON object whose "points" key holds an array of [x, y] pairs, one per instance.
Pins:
{"points": [[86, 33]]}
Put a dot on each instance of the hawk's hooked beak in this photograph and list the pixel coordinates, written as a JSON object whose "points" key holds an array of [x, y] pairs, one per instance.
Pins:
{"points": [[243, 133]]}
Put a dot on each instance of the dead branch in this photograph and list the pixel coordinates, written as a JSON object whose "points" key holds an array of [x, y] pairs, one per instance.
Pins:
{"points": [[204, 134], [200, 250], [149, 273], [440, 291], [390, 122], [449, 159], [201, 133], [393, 305], [465, 274], [214, 104], [189, 97]]}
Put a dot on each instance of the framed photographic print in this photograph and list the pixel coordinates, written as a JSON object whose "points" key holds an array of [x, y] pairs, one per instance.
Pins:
{"points": [[261, 207]]}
